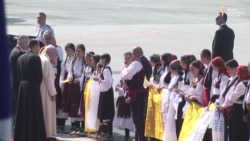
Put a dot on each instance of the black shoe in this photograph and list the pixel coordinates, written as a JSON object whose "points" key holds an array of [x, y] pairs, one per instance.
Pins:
{"points": [[83, 134]]}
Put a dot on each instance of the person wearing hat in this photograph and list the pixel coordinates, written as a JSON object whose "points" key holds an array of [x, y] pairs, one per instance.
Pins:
{"points": [[221, 80], [48, 90], [223, 104], [218, 85], [238, 129]]}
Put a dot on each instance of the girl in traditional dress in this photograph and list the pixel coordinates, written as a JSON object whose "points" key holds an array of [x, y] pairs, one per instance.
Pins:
{"points": [[195, 93], [221, 80], [174, 98], [218, 85], [233, 97], [158, 69], [89, 69], [231, 66], [246, 106], [184, 85], [91, 95], [165, 79], [123, 119], [65, 66], [94, 60], [75, 77], [151, 126], [106, 100], [87, 72]]}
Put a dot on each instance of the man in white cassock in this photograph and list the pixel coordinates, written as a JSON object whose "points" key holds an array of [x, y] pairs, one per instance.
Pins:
{"points": [[48, 90]]}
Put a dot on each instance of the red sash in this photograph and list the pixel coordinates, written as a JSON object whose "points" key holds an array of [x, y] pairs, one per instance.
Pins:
{"points": [[206, 97]]}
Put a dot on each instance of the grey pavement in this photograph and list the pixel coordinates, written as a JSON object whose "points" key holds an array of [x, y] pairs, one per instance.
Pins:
{"points": [[112, 26]]}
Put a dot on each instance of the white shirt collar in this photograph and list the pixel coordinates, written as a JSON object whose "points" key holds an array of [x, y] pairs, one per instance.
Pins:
{"points": [[222, 24], [232, 77], [209, 64], [22, 49]]}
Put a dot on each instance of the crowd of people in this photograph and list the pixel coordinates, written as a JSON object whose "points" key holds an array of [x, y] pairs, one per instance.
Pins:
{"points": [[49, 89]]}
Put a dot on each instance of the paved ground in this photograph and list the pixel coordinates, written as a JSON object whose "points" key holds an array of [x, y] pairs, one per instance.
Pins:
{"points": [[176, 26]]}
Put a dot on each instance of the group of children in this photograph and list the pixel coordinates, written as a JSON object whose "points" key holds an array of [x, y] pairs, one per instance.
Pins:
{"points": [[81, 77], [203, 81], [179, 81]]}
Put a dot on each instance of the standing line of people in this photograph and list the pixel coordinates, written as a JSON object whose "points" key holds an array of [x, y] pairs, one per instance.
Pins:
{"points": [[49, 90]]}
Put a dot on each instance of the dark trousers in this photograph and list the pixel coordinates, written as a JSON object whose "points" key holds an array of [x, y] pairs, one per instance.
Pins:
{"points": [[138, 114], [126, 133], [238, 130], [179, 120], [107, 127], [208, 135], [110, 128], [77, 125], [14, 106], [60, 122]]}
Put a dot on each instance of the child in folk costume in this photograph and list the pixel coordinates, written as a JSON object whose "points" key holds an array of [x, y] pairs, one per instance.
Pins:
{"points": [[210, 75], [123, 119], [152, 128], [231, 66], [238, 129], [95, 60], [106, 100], [195, 93], [209, 78], [75, 77], [65, 66], [233, 97], [87, 72], [89, 69], [246, 106], [91, 95], [165, 79], [184, 85], [158, 69], [174, 98], [218, 85]]}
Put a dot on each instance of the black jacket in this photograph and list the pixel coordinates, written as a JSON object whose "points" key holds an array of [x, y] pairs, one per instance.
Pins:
{"points": [[223, 43]]}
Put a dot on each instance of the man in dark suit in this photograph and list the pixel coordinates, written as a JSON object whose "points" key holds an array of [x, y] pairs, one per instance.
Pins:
{"points": [[223, 42], [21, 48], [30, 124]]}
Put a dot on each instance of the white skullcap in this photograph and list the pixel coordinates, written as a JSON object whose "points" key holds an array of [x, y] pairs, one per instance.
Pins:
{"points": [[47, 48], [50, 47]]}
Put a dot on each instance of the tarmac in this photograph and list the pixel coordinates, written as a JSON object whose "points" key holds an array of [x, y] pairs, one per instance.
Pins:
{"points": [[115, 27]]}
